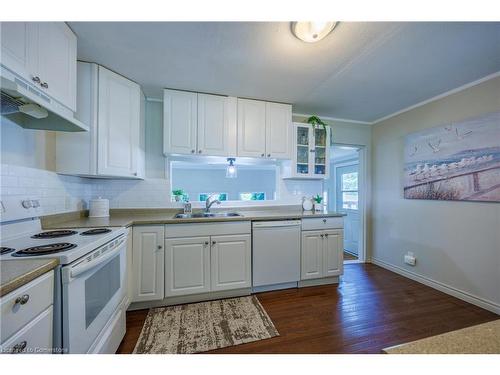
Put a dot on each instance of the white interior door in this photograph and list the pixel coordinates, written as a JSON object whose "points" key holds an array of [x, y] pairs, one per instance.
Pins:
{"points": [[347, 201]]}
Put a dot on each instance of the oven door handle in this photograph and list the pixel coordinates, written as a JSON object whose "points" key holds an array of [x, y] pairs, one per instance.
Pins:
{"points": [[79, 269]]}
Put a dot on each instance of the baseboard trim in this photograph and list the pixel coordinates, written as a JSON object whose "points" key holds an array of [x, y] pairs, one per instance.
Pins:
{"points": [[317, 282], [464, 296]]}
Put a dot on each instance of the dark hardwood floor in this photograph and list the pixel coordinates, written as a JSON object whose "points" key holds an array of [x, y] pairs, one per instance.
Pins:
{"points": [[371, 309]]}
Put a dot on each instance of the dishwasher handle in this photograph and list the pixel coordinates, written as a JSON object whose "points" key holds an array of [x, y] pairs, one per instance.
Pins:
{"points": [[278, 223]]}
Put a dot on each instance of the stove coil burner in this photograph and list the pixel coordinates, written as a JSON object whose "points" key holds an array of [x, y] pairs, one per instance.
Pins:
{"points": [[6, 250], [93, 232], [54, 234], [44, 249]]}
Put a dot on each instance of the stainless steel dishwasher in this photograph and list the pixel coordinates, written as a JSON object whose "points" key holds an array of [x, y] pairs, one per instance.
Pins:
{"points": [[276, 254]]}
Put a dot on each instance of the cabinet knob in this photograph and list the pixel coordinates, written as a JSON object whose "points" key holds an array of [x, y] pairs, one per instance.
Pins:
{"points": [[199, 151], [36, 79], [322, 235], [213, 242], [45, 85], [324, 220], [192, 151], [268, 155], [159, 247], [22, 300], [206, 242], [135, 173], [262, 155], [18, 348], [312, 150], [326, 234]]}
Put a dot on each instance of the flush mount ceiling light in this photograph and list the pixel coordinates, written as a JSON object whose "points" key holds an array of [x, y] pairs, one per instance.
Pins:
{"points": [[231, 169], [311, 31]]}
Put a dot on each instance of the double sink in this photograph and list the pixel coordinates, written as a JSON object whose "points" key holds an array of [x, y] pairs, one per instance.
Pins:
{"points": [[201, 215]]}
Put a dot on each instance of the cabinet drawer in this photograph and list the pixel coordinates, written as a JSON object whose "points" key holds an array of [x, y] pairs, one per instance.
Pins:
{"points": [[37, 295], [34, 338], [322, 223]]}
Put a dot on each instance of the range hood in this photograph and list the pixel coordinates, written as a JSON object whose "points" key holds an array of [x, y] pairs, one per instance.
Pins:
{"points": [[33, 109]]}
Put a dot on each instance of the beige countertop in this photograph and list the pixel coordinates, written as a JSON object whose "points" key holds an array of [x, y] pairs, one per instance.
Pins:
{"points": [[480, 339], [128, 217], [16, 273]]}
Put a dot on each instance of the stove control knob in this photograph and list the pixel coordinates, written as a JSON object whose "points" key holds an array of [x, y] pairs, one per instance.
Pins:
{"points": [[26, 204]]}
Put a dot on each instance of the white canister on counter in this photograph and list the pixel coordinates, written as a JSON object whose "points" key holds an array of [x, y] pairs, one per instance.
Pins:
{"points": [[99, 207]]}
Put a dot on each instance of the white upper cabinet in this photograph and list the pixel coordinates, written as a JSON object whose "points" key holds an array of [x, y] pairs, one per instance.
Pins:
{"points": [[251, 128], [119, 125], [278, 130], [199, 124], [19, 48], [44, 54], [216, 125], [114, 145], [180, 119]]}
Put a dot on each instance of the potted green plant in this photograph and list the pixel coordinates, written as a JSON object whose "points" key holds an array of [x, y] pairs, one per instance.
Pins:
{"points": [[316, 121], [318, 206], [178, 194]]}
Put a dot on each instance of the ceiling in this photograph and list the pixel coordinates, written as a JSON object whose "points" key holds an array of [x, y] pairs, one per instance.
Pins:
{"points": [[362, 71]]}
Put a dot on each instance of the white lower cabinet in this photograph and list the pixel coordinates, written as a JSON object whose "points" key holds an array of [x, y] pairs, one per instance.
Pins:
{"points": [[187, 266], [26, 317], [148, 263], [231, 262], [322, 254]]}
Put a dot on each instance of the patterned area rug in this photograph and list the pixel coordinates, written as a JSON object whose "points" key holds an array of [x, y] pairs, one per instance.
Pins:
{"points": [[204, 326]]}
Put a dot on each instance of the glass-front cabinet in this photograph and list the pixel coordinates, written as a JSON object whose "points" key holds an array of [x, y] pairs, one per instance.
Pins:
{"points": [[311, 152]]}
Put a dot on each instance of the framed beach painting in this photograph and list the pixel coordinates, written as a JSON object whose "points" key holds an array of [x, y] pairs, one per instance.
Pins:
{"points": [[456, 161]]}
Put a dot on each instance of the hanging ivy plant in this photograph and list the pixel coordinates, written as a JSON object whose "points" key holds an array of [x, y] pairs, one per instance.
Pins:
{"points": [[316, 121]]}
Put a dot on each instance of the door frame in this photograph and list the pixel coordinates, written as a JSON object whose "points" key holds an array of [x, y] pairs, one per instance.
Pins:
{"points": [[362, 196]]}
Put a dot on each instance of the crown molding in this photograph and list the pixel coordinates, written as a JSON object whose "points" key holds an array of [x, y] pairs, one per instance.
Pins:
{"points": [[333, 118], [440, 96]]}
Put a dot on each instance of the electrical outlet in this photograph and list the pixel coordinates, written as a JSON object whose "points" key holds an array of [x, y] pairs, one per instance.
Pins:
{"points": [[410, 259]]}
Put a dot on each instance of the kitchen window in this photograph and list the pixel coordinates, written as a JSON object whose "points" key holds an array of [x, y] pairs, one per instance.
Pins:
{"points": [[198, 179]]}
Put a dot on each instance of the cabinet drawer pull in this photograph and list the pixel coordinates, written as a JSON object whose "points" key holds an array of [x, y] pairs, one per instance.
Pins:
{"points": [[19, 348], [45, 85], [22, 300]]}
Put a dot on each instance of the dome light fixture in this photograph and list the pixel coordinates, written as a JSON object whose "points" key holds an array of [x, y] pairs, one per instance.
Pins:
{"points": [[310, 31]]}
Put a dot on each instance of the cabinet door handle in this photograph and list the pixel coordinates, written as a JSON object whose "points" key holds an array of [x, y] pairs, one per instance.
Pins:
{"points": [[22, 300], [159, 247], [192, 151], [199, 151], [206, 242], [268, 155], [262, 155], [35, 79], [18, 348], [324, 220], [45, 85], [213, 242], [322, 235], [312, 150]]}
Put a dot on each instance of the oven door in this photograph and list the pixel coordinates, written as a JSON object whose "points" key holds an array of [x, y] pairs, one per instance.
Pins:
{"points": [[93, 288]]}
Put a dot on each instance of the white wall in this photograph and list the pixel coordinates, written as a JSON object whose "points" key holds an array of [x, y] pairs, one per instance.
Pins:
{"points": [[457, 244]]}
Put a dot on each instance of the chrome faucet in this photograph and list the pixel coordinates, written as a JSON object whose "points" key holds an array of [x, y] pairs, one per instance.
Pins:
{"points": [[210, 201]]}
